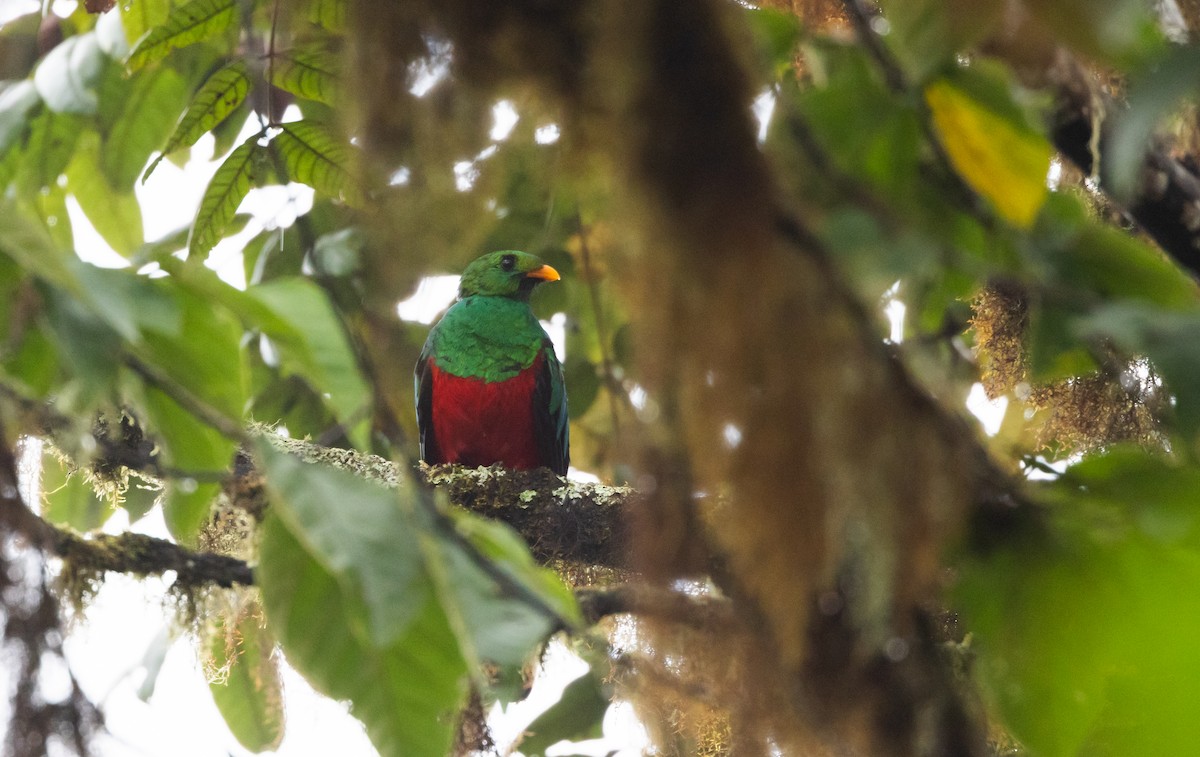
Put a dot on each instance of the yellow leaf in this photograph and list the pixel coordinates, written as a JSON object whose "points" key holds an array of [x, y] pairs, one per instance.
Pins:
{"points": [[1006, 162]]}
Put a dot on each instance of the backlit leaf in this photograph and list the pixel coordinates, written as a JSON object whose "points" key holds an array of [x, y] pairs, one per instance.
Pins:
{"points": [[311, 72], [117, 215], [68, 498], [140, 16], [221, 94], [315, 156], [224, 194], [190, 23]]}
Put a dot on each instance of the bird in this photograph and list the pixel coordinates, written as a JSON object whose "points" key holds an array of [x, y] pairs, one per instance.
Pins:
{"points": [[489, 387]]}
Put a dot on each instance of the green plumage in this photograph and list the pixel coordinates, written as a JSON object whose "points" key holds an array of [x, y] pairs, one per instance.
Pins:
{"points": [[489, 387], [492, 338]]}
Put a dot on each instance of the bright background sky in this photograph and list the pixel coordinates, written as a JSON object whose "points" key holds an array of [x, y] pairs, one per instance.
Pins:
{"points": [[128, 629]]}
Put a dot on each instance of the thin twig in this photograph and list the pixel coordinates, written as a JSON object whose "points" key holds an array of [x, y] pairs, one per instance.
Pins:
{"points": [[271, 66]]}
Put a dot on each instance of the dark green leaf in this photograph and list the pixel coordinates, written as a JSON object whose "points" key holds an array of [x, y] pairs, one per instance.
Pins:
{"points": [[583, 384], [1078, 254], [139, 498], [225, 192], [407, 692], [577, 715], [189, 446], [365, 539], [221, 95], [249, 692], [354, 606], [315, 156], [311, 72], [190, 23]]}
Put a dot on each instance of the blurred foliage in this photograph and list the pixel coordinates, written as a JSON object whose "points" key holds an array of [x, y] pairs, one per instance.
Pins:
{"points": [[922, 169]]}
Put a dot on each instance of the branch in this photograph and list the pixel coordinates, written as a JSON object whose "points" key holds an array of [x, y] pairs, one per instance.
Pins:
{"points": [[559, 519], [125, 553]]}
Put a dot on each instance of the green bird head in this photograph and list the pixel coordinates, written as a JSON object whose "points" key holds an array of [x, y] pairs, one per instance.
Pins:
{"points": [[505, 273]]}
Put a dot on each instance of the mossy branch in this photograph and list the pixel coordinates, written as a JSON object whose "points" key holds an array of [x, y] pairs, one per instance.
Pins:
{"points": [[559, 519]]}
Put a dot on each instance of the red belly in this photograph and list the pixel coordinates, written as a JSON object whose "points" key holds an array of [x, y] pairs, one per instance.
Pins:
{"points": [[481, 423]]}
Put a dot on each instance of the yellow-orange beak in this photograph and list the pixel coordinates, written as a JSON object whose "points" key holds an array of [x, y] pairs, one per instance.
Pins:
{"points": [[545, 273]]}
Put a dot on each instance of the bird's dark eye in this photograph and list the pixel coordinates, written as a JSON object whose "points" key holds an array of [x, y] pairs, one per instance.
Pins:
{"points": [[507, 262]]}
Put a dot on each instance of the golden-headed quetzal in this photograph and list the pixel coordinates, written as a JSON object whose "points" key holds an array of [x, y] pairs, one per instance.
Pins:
{"points": [[489, 386]]}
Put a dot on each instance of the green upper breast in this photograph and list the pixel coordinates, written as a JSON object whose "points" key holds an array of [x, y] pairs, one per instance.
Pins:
{"points": [[493, 338]]}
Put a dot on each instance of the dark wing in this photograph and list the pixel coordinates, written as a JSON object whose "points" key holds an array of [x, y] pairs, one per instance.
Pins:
{"points": [[550, 413], [423, 386]]}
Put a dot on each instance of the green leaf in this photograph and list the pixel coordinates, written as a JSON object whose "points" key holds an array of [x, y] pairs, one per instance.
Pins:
{"points": [[28, 244], [1093, 262], [925, 34], [140, 16], [1081, 638], [139, 498], [30, 364], [200, 353], [190, 23], [576, 716], [314, 346], [225, 192], [347, 594], [312, 72], [501, 544], [249, 692], [188, 446], [315, 156], [365, 539], [52, 140], [145, 117], [1157, 494], [67, 77], [221, 95], [68, 498], [330, 14], [583, 384], [868, 131], [998, 154], [116, 215]]}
